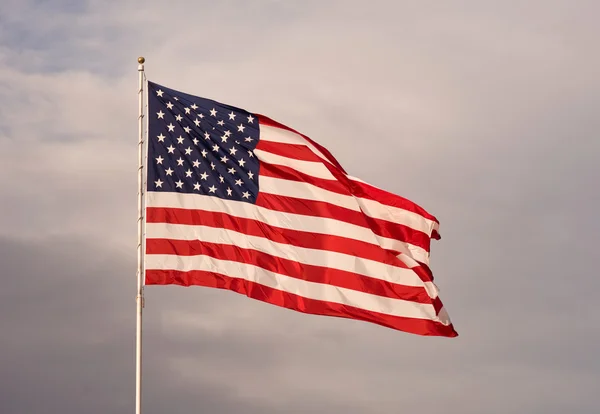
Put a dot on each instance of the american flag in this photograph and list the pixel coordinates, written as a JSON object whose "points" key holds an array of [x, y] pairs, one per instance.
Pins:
{"points": [[238, 201]]}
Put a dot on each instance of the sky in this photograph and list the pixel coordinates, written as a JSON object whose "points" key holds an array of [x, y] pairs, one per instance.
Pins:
{"points": [[483, 112]]}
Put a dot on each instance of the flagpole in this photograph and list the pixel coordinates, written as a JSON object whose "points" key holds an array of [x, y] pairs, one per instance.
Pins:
{"points": [[140, 261]]}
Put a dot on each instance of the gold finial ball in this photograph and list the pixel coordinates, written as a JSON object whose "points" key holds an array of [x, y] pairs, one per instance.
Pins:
{"points": [[141, 60]]}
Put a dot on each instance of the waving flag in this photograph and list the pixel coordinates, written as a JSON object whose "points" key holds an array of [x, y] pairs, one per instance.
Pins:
{"points": [[238, 201]]}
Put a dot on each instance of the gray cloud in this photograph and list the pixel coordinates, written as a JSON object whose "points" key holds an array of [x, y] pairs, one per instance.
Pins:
{"points": [[483, 112]]}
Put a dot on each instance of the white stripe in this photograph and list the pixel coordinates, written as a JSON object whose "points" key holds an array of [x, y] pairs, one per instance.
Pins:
{"points": [[397, 215], [352, 178], [274, 134], [281, 219], [394, 214], [315, 257], [311, 290], [307, 191], [312, 168]]}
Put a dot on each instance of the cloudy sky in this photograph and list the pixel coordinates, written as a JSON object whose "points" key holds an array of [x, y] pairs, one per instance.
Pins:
{"points": [[483, 112]]}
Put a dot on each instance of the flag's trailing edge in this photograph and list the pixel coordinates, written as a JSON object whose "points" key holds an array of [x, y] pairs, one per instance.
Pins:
{"points": [[238, 201]]}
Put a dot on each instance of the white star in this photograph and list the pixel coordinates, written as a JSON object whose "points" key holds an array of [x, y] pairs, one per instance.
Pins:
{"points": [[204, 175], [187, 129], [169, 171], [215, 148], [170, 105], [171, 127], [250, 154], [238, 182], [246, 194], [250, 175], [248, 139], [196, 164], [232, 116], [178, 118], [180, 161], [176, 98], [233, 150], [224, 138], [250, 119], [195, 141], [241, 128], [197, 186], [213, 112], [159, 159], [201, 116], [206, 136], [194, 106], [224, 159], [159, 93], [161, 138], [188, 173], [231, 170], [160, 114], [197, 122], [204, 153], [221, 179], [212, 166], [179, 184], [171, 149], [212, 189], [242, 162], [180, 140], [221, 123], [228, 191], [227, 133], [158, 183], [187, 110], [188, 151]]}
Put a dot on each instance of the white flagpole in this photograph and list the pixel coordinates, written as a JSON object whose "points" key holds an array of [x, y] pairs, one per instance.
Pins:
{"points": [[140, 271]]}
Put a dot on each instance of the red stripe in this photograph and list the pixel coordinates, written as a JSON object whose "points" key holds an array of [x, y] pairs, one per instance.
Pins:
{"points": [[295, 151], [277, 234], [422, 270], [326, 210], [399, 232], [295, 302], [302, 271], [384, 197], [287, 173], [367, 191]]}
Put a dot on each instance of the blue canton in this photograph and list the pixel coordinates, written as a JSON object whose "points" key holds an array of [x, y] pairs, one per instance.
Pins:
{"points": [[199, 146]]}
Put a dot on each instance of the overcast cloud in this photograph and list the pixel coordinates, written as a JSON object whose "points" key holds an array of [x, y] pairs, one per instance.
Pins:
{"points": [[483, 112]]}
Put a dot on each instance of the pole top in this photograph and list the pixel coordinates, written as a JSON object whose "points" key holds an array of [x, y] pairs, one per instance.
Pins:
{"points": [[141, 60]]}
